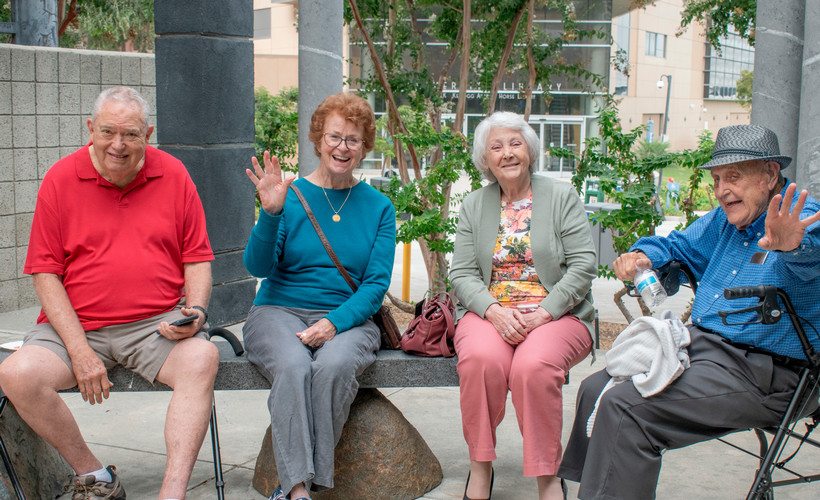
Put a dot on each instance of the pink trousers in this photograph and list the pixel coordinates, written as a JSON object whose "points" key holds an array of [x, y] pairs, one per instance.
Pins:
{"points": [[533, 371]]}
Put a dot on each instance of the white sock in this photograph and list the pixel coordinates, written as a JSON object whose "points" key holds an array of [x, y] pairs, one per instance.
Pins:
{"points": [[101, 475]]}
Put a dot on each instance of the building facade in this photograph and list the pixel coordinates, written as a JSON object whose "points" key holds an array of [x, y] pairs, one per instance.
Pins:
{"points": [[699, 82], [563, 121]]}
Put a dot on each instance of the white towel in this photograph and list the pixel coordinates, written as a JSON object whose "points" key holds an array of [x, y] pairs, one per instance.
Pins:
{"points": [[651, 352]]}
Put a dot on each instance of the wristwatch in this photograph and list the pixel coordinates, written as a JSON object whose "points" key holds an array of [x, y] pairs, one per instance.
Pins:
{"points": [[202, 310]]}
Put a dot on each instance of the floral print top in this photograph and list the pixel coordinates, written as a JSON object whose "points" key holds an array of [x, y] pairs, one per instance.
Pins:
{"points": [[514, 281]]}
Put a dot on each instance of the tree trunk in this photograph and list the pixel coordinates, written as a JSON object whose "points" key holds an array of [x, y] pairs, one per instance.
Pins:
{"points": [[464, 73], [502, 65], [530, 62]]}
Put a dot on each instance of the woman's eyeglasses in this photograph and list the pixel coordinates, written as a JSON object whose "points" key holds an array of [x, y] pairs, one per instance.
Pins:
{"points": [[333, 140]]}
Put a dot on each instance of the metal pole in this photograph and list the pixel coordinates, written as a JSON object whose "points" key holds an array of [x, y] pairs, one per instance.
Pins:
{"points": [[666, 112], [664, 138], [405, 274]]}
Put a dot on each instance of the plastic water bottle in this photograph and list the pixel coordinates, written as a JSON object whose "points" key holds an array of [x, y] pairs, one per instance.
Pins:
{"points": [[647, 283]]}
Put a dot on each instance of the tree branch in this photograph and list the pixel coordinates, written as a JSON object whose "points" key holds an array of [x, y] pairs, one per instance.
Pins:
{"points": [[388, 91], [502, 65], [464, 73]]}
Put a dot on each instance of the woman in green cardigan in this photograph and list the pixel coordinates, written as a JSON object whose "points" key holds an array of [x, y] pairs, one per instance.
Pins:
{"points": [[522, 270]]}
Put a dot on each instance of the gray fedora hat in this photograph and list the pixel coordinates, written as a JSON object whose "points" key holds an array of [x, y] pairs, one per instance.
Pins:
{"points": [[743, 143]]}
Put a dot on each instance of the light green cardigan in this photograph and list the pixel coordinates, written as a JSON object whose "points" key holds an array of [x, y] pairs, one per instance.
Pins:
{"points": [[562, 249]]}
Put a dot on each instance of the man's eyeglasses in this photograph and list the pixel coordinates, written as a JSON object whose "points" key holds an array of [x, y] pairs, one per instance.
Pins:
{"points": [[333, 140]]}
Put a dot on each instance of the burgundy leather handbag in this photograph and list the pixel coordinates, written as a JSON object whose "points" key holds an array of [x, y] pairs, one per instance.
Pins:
{"points": [[431, 332]]}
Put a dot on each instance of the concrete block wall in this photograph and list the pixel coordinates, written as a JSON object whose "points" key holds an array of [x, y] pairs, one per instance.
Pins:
{"points": [[46, 96]]}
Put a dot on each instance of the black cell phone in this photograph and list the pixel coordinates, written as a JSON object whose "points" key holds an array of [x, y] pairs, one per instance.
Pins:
{"points": [[185, 321]]}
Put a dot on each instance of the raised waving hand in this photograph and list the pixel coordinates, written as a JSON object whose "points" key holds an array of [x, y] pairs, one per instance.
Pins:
{"points": [[784, 229], [269, 183]]}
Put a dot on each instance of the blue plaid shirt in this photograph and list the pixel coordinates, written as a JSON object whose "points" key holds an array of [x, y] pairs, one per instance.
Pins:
{"points": [[719, 255]]}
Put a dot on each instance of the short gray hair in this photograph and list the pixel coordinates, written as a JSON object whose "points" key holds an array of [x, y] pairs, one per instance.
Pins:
{"points": [[503, 119], [122, 94]]}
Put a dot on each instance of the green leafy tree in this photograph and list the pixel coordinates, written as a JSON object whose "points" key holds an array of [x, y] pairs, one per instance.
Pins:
{"points": [[744, 89], [627, 178], [5, 17], [276, 120], [645, 149], [719, 16], [99, 24], [107, 25], [490, 39]]}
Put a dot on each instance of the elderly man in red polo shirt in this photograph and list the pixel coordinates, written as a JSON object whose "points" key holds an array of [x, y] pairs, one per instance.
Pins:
{"points": [[118, 253]]}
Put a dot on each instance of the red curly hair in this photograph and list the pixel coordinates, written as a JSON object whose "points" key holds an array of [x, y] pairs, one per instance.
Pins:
{"points": [[349, 106]]}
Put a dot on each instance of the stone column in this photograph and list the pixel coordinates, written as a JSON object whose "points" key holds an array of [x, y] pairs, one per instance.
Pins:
{"points": [[205, 112], [36, 22], [778, 61], [808, 147], [320, 67]]}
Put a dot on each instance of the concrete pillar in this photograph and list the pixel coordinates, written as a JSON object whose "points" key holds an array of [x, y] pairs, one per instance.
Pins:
{"points": [[205, 112], [36, 22], [320, 67], [808, 147], [778, 61]]}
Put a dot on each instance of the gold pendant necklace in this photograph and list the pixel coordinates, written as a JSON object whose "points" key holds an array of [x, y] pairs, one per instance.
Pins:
{"points": [[336, 217]]}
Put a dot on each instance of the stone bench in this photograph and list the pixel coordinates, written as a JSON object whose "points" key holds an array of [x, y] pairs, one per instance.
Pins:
{"points": [[391, 369], [380, 454]]}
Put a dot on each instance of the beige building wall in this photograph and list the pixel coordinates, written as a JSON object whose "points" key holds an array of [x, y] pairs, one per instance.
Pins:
{"points": [[689, 112], [275, 72], [276, 57]]}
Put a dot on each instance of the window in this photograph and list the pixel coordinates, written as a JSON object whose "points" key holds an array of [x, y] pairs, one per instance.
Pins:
{"points": [[721, 71], [655, 44], [621, 28], [261, 24]]}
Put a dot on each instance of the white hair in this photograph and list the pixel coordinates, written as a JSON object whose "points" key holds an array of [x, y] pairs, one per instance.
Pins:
{"points": [[503, 119], [122, 94]]}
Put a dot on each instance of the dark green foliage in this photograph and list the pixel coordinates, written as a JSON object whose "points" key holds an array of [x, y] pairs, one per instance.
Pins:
{"points": [[5, 17], [719, 16], [627, 178], [276, 120], [744, 89], [111, 25]]}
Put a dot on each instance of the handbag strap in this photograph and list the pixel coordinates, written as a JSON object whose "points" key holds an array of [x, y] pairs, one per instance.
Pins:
{"points": [[323, 238]]}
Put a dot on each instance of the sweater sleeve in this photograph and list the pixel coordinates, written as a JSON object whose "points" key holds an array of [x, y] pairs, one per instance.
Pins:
{"points": [[572, 229], [465, 275], [264, 246]]}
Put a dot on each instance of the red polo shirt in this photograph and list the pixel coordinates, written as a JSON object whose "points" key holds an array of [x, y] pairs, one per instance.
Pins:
{"points": [[120, 252]]}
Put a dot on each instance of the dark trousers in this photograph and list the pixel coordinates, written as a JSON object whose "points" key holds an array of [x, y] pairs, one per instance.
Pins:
{"points": [[726, 389]]}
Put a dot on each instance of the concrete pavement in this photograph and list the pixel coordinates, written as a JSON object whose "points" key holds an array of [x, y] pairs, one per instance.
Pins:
{"points": [[126, 430]]}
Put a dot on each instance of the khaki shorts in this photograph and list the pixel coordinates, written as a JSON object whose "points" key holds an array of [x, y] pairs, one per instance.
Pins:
{"points": [[135, 345]]}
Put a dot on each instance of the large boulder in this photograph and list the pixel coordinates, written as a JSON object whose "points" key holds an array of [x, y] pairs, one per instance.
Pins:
{"points": [[380, 455], [41, 470]]}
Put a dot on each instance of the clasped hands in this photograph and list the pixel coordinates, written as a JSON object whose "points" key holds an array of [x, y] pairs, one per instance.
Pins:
{"points": [[514, 325]]}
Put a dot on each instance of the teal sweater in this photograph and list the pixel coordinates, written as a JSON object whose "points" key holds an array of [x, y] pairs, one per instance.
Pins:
{"points": [[285, 250]]}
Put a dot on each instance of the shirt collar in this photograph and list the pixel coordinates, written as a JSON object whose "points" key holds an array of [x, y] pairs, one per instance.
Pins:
{"points": [[148, 169]]}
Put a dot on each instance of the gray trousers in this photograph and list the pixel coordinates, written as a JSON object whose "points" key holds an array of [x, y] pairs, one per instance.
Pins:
{"points": [[311, 389], [724, 390]]}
